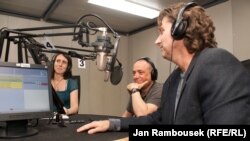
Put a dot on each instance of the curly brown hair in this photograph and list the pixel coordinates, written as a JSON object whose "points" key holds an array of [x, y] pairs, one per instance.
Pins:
{"points": [[200, 31]]}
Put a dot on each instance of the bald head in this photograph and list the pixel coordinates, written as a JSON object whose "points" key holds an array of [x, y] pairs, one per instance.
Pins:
{"points": [[142, 72]]}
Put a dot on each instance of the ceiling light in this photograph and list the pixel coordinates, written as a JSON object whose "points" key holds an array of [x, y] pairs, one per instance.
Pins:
{"points": [[128, 7]]}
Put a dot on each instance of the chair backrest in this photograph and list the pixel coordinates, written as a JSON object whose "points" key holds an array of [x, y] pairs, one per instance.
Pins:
{"points": [[78, 79]]}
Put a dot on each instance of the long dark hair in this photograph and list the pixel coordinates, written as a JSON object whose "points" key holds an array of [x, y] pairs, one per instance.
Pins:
{"points": [[68, 73]]}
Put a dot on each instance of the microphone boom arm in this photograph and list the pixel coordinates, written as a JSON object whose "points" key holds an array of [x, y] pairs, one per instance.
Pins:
{"points": [[102, 45]]}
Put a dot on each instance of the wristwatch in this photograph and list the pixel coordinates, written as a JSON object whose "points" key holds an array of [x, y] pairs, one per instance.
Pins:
{"points": [[134, 90]]}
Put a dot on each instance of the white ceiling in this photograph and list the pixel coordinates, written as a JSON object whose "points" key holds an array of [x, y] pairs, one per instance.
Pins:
{"points": [[69, 11]]}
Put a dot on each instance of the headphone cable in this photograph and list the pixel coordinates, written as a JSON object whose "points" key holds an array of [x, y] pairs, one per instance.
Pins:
{"points": [[171, 59]]}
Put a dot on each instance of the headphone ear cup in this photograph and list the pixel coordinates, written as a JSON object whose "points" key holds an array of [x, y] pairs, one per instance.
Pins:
{"points": [[154, 74], [179, 26], [178, 31]]}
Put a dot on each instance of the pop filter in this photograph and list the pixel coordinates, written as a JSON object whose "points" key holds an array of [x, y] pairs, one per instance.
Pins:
{"points": [[116, 74]]}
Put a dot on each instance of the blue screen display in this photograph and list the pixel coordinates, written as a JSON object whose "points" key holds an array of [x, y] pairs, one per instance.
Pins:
{"points": [[24, 89]]}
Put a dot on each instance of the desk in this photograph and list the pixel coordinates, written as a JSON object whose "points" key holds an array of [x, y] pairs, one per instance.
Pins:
{"points": [[52, 132]]}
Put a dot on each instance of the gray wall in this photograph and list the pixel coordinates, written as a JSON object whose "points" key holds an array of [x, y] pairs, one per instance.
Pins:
{"points": [[241, 21], [98, 97], [230, 18]]}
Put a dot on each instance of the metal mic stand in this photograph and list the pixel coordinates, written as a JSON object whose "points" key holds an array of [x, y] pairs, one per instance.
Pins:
{"points": [[57, 120], [60, 120]]}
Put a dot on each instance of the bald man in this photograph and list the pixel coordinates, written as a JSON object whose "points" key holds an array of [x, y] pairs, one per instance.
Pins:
{"points": [[145, 92]]}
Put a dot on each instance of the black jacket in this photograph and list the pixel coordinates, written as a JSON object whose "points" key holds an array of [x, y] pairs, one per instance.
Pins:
{"points": [[216, 90]]}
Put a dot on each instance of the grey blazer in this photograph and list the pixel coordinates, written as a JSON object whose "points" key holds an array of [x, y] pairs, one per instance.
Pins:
{"points": [[216, 90]]}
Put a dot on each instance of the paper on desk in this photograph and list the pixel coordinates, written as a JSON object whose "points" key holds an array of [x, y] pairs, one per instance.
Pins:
{"points": [[63, 116], [122, 139]]}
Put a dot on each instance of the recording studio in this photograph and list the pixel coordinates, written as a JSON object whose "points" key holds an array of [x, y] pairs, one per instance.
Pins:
{"points": [[103, 44]]}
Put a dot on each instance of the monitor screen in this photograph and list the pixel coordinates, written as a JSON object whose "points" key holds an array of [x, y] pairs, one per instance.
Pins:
{"points": [[25, 93]]}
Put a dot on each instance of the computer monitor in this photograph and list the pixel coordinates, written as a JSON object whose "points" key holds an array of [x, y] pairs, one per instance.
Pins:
{"points": [[25, 93]]}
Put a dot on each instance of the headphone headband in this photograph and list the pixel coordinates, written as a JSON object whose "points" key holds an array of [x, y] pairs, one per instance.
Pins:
{"points": [[154, 72], [179, 26]]}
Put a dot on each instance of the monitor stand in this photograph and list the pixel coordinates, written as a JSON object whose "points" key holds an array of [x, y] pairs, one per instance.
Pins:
{"points": [[17, 129]]}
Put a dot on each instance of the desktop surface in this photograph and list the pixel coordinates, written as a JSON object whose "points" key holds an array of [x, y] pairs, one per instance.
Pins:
{"points": [[54, 132]]}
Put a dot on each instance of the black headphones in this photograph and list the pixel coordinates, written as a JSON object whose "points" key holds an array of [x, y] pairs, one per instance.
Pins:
{"points": [[154, 72], [179, 26]]}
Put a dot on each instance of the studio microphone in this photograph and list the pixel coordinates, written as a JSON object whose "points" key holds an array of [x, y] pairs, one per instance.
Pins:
{"points": [[101, 60], [101, 29], [113, 72], [106, 75], [106, 56], [103, 46], [108, 68]]}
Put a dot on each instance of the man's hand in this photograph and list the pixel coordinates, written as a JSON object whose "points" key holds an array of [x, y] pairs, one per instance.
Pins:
{"points": [[95, 126], [135, 85]]}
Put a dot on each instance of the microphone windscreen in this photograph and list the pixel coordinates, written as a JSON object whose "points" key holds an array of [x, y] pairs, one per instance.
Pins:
{"points": [[116, 75]]}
